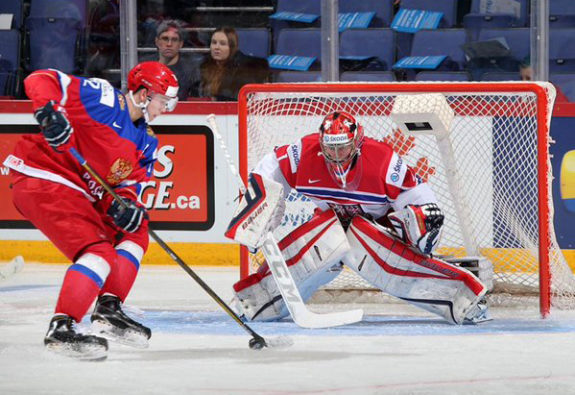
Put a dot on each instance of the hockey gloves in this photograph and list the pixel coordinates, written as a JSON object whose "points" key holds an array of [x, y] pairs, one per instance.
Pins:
{"points": [[419, 226], [54, 124], [128, 218]]}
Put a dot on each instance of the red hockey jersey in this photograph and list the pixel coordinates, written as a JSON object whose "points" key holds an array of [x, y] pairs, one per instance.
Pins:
{"points": [[386, 181], [121, 152]]}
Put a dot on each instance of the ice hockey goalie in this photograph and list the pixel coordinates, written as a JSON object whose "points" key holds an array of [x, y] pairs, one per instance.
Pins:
{"points": [[374, 214]]}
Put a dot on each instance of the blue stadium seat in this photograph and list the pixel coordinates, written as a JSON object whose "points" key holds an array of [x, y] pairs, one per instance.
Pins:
{"points": [[72, 9], [501, 76], [562, 50], [566, 82], [375, 76], [383, 10], [301, 6], [440, 42], [52, 43], [368, 42], [298, 76], [477, 20], [299, 42], [443, 76], [448, 7], [561, 13], [561, 21], [254, 42], [518, 40], [55, 33], [15, 8], [9, 61], [561, 7]]}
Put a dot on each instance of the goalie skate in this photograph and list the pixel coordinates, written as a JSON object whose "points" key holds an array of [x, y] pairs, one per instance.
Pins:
{"points": [[63, 339], [110, 322], [479, 314]]}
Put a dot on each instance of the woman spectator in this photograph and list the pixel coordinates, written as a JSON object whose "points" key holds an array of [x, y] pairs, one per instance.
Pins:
{"points": [[226, 69]]}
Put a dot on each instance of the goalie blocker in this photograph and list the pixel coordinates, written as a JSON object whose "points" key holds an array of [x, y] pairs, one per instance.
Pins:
{"points": [[260, 210]]}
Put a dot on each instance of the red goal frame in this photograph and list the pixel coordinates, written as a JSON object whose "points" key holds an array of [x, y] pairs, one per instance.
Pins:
{"points": [[543, 110]]}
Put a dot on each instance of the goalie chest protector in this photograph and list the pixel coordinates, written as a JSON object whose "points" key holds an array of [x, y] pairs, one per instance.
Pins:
{"points": [[384, 174]]}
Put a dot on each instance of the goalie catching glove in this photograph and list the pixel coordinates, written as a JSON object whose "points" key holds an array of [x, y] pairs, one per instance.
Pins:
{"points": [[419, 226], [259, 212], [54, 124]]}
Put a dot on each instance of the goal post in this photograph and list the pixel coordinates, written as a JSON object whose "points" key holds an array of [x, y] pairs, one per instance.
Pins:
{"points": [[489, 168]]}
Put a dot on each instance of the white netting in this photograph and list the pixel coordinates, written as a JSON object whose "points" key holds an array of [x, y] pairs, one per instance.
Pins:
{"points": [[494, 136]]}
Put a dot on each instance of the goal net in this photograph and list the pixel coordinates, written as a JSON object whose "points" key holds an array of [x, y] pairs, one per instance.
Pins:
{"points": [[490, 169]]}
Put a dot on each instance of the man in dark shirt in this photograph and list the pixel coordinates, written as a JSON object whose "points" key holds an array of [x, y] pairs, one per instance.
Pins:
{"points": [[169, 41]]}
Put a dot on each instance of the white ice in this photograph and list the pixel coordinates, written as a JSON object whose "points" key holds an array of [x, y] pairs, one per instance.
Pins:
{"points": [[197, 349]]}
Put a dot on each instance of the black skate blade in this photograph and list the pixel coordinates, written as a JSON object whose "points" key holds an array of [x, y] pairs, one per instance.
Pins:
{"points": [[126, 337], [85, 352]]}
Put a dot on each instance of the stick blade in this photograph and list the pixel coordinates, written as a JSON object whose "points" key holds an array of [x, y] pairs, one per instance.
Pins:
{"points": [[310, 320]]}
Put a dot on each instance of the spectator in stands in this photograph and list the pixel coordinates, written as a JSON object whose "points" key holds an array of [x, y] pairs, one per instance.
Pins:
{"points": [[525, 69], [226, 69], [169, 41], [526, 73]]}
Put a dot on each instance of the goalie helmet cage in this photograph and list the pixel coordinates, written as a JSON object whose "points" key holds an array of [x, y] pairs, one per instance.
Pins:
{"points": [[494, 183]]}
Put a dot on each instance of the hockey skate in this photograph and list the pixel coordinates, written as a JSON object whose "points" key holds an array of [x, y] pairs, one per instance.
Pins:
{"points": [[480, 313], [109, 321], [62, 338]]}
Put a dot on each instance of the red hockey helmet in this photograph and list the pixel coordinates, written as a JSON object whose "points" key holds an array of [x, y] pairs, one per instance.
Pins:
{"points": [[157, 78], [340, 139]]}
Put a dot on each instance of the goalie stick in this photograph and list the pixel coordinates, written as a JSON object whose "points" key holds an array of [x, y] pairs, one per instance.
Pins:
{"points": [[301, 315], [257, 342]]}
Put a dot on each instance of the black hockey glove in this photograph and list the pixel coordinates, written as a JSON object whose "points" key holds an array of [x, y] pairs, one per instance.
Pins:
{"points": [[128, 218], [54, 124]]}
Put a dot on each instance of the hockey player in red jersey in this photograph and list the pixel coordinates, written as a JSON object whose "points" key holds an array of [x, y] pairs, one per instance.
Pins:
{"points": [[374, 214], [104, 240]]}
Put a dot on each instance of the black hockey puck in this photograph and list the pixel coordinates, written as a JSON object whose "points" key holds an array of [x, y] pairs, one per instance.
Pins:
{"points": [[257, 343]]}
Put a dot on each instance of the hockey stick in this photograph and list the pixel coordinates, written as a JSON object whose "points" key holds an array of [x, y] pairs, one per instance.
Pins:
{"points": [[301, 315], [256, 342]]}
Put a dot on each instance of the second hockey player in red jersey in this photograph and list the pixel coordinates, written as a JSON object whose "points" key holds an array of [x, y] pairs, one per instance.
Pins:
{"points": [[104, 240], [374, 214]]}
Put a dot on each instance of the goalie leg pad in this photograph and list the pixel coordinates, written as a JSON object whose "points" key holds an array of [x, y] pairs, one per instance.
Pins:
{"points": [[312, 252], [480, 266], [395, 268]]}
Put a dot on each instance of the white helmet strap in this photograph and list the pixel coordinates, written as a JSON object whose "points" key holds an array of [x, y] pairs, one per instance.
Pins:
{"points": [[143, 106]]}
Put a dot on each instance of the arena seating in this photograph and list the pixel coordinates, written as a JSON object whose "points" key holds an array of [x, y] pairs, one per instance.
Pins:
{"points": [[369, 42]]}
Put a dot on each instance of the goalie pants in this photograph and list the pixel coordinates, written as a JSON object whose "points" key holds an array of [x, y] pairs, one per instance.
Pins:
{"points": [[104, 260], [367, 248]]}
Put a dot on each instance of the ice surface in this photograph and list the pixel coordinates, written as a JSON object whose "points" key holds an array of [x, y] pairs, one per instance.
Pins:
{"points": [[196, 348]]}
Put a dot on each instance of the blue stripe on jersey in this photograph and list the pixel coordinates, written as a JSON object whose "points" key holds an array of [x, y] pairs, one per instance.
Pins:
{"points": [[130, 257], [358, 197], [88, 273]]}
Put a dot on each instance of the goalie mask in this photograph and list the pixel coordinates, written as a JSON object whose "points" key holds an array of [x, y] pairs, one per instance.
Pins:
{"points": [[159, 80], [340, 139]]}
